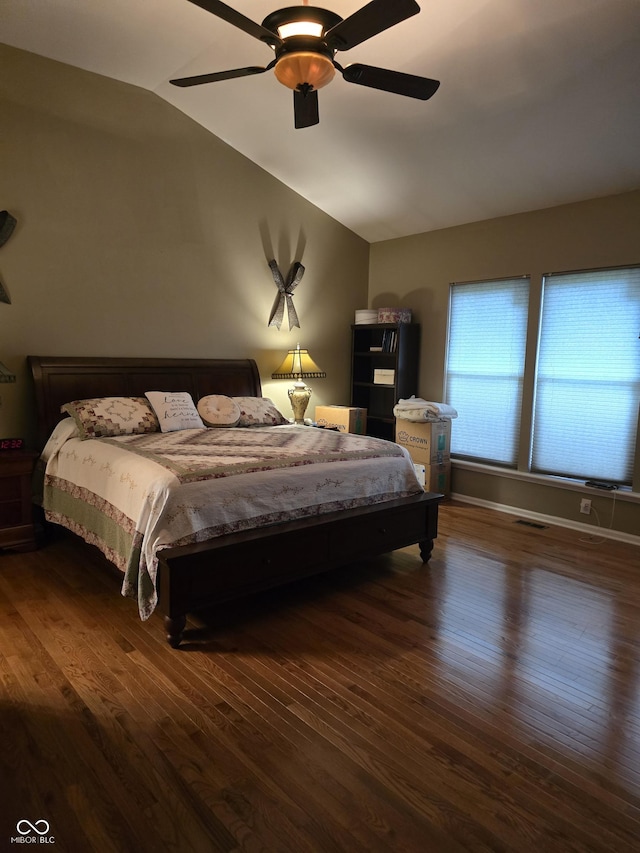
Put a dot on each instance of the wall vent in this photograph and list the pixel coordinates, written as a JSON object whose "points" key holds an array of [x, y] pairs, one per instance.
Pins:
{"points": [[535, 524]]}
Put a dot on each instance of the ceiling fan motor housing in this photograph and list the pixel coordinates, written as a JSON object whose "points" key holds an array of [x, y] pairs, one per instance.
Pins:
{"points": [[303, 61]]}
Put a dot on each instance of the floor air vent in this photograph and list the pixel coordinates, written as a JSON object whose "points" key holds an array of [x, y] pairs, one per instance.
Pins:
{"points": [[535, 524]]}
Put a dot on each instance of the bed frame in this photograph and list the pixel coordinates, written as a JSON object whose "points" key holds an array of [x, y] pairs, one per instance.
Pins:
{"points": [[252, 560]]}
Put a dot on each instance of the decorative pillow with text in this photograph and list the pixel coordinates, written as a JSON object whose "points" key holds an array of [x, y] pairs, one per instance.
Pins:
{"points": [[175, 410]]}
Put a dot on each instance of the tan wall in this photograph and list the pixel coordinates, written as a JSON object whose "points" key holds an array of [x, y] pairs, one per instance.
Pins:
{"points": [[139, 233], [416, 272]]}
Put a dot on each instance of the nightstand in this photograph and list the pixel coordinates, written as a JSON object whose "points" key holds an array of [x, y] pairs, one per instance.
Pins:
{"points": [[17, 528]]}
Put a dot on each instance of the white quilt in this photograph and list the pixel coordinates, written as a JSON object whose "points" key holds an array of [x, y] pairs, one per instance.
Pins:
{"points": [[134, 495]]}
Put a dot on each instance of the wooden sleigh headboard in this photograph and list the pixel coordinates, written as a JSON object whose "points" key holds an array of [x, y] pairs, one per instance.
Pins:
{"points": [[61, 379]]}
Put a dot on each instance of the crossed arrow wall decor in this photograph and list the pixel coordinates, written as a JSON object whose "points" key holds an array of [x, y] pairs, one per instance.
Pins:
{"points": [[285, 294]]}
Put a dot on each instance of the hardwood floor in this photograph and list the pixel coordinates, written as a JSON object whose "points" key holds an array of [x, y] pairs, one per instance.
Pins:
{"points": [[487, 702]]}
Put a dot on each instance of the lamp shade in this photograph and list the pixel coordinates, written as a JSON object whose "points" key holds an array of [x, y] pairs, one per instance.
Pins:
{"points": [[298, 364]]}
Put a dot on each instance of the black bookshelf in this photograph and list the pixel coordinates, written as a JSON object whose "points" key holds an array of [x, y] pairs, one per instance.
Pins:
{"points": [[376, 349]]}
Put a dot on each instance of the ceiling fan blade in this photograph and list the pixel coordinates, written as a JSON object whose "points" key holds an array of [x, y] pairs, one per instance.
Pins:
{"points": [[391, 81], [305, 108], [221, 10], [217, 76], [374, 18]]}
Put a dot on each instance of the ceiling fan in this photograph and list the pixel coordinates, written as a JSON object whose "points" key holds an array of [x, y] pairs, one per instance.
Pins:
{"points": [[305, 40]]}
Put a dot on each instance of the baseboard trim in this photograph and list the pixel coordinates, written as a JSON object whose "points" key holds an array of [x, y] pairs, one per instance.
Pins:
{"points": [[590, 529]]}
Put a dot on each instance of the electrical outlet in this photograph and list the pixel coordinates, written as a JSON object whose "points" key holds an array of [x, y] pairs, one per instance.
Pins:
{"points": [[585, 506]]}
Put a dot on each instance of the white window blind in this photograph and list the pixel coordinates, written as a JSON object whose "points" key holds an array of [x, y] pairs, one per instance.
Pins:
{"points": [[588, 376], [485, 367]]}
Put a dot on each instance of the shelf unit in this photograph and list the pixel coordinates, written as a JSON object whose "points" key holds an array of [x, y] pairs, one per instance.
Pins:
{"points": [[383, 346]]}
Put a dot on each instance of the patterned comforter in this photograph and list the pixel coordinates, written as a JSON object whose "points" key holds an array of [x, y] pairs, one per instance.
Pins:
{"points": [[136, 494]]}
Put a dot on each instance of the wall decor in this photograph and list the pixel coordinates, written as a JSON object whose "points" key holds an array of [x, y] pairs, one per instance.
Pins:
{"points": [[285, 294], [7, 224]]}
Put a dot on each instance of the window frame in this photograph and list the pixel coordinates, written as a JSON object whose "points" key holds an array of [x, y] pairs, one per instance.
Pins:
{"points": [[521, 278], [534, 326]]}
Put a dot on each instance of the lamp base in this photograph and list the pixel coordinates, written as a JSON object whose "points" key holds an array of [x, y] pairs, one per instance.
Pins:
{"points": [[299, 396]]}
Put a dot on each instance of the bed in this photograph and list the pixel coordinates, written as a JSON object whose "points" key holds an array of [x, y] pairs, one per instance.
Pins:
{"points": [[225, 561]]}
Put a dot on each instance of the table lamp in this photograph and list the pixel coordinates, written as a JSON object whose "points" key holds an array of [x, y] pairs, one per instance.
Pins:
{"points": [[299, 365]]}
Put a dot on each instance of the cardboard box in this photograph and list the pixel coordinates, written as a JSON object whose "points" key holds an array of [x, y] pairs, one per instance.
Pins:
{"points": [[434, 478], [428, 442], [382, 376], [344, 418]]}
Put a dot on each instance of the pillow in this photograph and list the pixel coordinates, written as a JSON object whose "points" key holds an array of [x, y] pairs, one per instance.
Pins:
{"points": [[216, 410], [100, 417], [175, 410], [258, 411]]}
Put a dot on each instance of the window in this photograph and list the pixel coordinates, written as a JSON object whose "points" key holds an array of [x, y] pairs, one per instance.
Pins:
{"points": [[588, 376], [586, 388], [485, 367]]}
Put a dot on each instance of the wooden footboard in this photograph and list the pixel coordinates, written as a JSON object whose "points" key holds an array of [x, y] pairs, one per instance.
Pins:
{"points": [[197, 576]]}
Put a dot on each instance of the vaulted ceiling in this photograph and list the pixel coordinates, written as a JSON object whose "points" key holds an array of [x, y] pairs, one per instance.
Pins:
{"points": [[539, 102]]}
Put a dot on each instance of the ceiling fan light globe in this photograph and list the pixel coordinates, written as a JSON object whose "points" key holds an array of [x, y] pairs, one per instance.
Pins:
{"points": [[309, 16], [300, 28], [295, 70]]}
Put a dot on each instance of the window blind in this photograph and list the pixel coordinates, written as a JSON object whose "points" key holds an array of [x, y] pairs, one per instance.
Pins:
{"points": [[588, 376], [485, 367]]}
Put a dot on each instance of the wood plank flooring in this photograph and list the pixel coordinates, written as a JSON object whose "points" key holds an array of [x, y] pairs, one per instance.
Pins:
{"points": [[489, 701]]}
